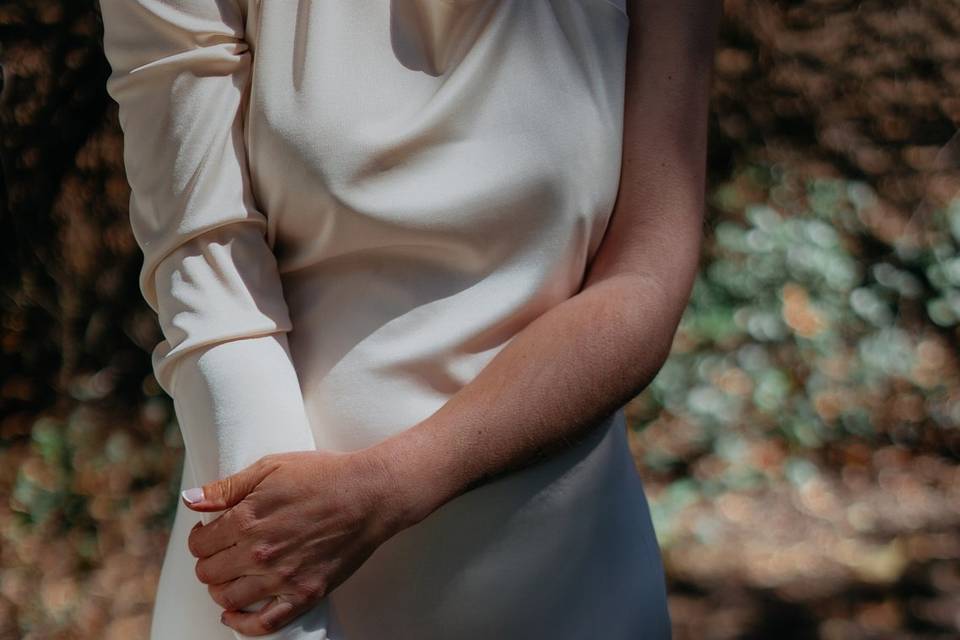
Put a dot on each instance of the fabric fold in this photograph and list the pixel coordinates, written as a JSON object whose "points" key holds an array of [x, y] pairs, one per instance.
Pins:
{"points": [[180, 70]]}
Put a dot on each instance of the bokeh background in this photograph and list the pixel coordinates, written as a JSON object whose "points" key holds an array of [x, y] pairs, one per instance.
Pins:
{"points": [[800, 447]]}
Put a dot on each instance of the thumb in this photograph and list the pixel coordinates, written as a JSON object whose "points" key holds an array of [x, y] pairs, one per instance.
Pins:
{"points": [[226, 492]]}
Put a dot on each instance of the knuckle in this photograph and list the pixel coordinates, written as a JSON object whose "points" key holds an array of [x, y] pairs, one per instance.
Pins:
{"points": [[222, 597], [267, 460], [202, 574], [270, 463], [246, 523], [262, 553], [286, 573], [310, 590], [226, 486]]}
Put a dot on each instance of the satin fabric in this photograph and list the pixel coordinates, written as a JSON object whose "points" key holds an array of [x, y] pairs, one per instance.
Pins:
{"points": [[346, 209]]}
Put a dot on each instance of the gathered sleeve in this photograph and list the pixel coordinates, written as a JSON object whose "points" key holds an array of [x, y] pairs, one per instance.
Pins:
{"points": [[180, 76]]}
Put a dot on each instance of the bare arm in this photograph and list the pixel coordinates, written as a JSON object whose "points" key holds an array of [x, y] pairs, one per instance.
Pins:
{"points": [[588, 356]]}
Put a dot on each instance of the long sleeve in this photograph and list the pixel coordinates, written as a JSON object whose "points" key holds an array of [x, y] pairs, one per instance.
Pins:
{"points": [[180, 72]]}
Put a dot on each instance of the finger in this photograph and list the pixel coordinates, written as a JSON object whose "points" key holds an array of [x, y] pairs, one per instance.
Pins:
{"points": [[273, 616], [204, 540], [240, 594], [224, 493], [229, 564]]}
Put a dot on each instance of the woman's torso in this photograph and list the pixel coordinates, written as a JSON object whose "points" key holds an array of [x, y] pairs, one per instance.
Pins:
{"points": [[436, 174], [420, 218]]}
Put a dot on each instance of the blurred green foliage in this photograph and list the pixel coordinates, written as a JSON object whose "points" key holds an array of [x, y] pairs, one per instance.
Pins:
{"points": [[804, 329]]}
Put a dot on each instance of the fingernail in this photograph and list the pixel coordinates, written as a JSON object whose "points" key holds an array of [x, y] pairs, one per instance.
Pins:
{"points": [[193, 495]]}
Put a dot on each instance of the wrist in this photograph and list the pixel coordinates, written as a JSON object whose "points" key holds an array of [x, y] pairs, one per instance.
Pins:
{"points": [[422, 471]]}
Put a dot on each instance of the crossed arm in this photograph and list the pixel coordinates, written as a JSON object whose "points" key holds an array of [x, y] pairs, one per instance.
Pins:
{"points": [[592, 353]]}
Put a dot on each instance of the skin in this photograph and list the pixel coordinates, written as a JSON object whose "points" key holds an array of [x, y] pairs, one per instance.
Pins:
{"points": [[295, 525]]}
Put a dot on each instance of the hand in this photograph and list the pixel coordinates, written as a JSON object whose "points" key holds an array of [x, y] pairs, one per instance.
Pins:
{"points": [[296, 525]]}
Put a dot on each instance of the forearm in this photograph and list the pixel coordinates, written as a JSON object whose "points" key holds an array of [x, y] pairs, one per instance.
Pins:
{"points": [[244, 401], [558, 378], [589, 355]]}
